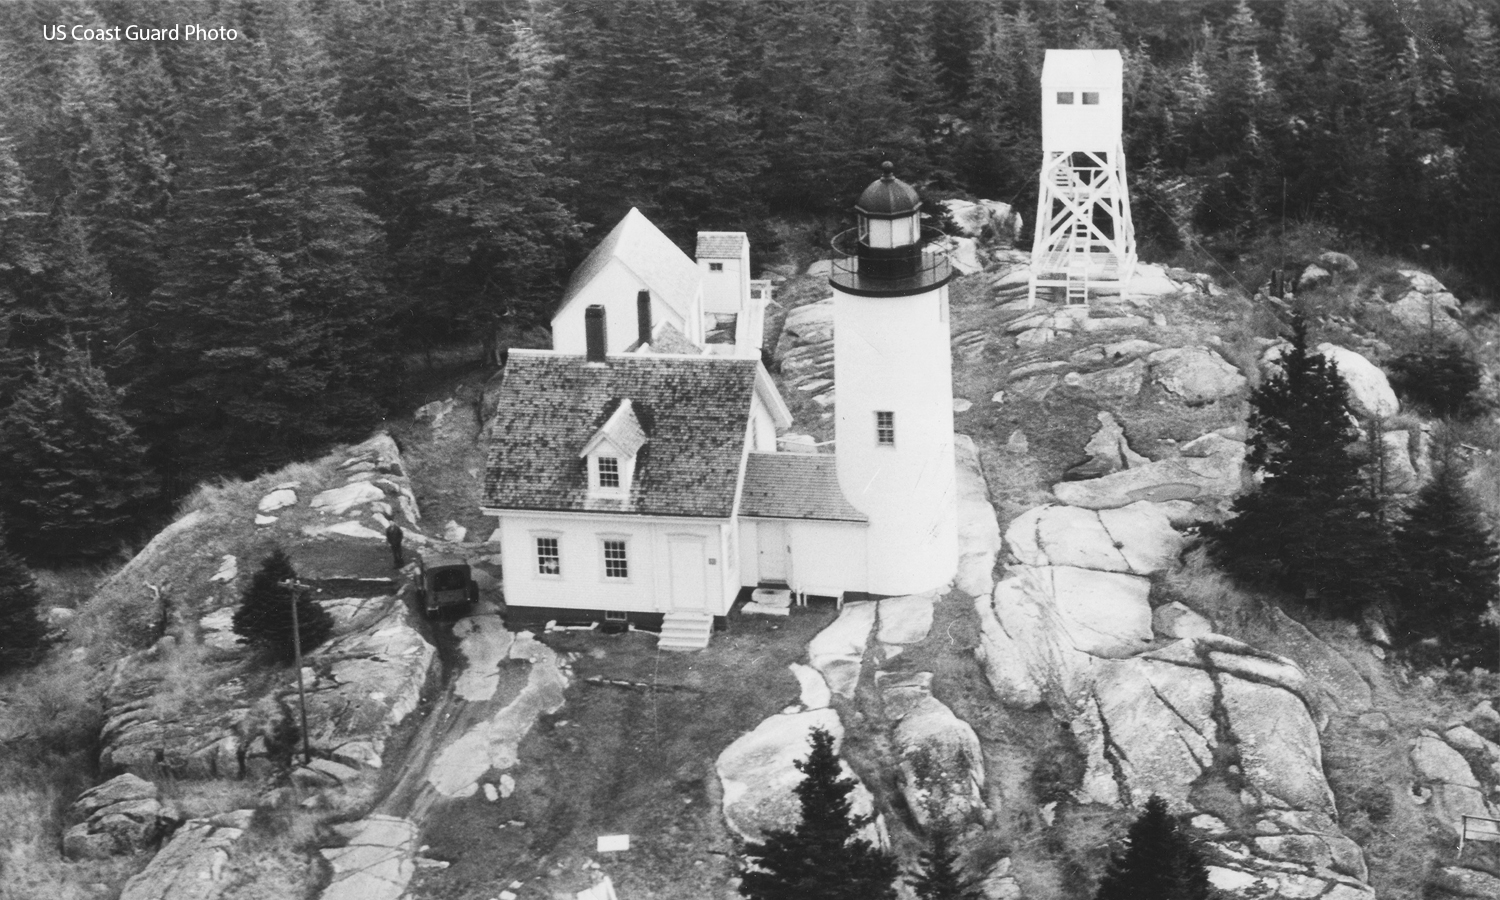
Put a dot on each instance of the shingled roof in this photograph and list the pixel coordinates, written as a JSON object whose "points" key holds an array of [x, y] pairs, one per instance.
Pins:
{"points": [[795, 486], [660, 264], [693, 410], [721, 244]]}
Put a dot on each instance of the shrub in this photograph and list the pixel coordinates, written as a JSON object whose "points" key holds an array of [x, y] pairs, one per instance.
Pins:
{"points": [[1442, 379]]}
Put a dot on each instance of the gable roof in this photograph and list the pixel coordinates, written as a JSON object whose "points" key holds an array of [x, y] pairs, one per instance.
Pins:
{"points": [[693, 411], [666, 271], [622, 429], [721, 244], [795, 486]]}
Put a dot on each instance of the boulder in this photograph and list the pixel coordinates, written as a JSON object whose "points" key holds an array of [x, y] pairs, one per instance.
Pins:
{"points": [[454, 532], [1175, 620], [1118, 383], [1421, 281], [1108, 451], [278, 499], [811, 323], [123, 815], [229, 570], [1199, 479], [1342, 263], [433, 413], [1370, 393], [1466, 883], [1314, 276], [1419, 312], [1137, 539], [1455, 791], [338, 501], [838, 650], [1150, 281], [760, 777], [942, 763], [1195, 374]]}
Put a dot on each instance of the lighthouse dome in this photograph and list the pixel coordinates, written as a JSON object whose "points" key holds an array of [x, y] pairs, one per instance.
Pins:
{"points": [[888, 197]]}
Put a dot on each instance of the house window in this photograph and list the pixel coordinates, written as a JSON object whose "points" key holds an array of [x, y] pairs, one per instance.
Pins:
{"points": [[548, 560], [715, 267], [616, 615], [1090, 98], [615, 563], [1065, 98], [609, 472], [885, 429]]}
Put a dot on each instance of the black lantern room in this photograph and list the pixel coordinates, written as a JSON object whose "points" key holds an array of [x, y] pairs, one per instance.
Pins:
{"points": [[888, 253]]}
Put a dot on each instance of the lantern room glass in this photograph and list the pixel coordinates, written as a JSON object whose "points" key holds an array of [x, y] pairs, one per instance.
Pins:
{"points": [[887, 234]]}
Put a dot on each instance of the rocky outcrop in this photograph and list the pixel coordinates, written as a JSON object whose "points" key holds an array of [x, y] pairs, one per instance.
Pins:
{"points": [[1108, 451], [1195, 375], [361, 685], [1137, 539], [759, 775], [195, 864], [988, 220], [978, 529], [1428, 305], [1444, 777], [376, 862], [1203, 480], [123, 815], [836, 651], [942, 764]]}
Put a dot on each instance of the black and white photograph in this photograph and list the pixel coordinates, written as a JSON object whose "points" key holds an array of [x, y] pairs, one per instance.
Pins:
{"points": [[750, 450]]}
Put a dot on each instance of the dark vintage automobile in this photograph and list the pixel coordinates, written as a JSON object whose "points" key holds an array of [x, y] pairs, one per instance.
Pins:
{"points": [[445, 583]]}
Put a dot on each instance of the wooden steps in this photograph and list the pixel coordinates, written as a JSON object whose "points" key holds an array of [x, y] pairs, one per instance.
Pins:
{"points": [[684, 631]]}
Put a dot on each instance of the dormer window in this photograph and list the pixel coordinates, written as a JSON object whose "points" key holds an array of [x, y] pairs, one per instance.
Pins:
{"points": [[1064, 98], [715, 267], [1090, 98], [611, 453]]}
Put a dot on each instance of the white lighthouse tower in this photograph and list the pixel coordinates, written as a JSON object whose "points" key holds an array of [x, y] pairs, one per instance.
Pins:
{"points": [[1084, 237], [893, 372]]}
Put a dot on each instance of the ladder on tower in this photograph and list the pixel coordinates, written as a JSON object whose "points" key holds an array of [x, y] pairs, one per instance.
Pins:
{"points": [[1078, 289]]}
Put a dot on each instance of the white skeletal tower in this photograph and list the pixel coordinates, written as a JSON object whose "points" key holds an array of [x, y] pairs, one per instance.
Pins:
{"points": [[893, 376], [1084, 237]]}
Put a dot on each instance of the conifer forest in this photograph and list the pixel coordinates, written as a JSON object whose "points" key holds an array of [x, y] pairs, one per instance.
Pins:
{"points": [[227, 254]]}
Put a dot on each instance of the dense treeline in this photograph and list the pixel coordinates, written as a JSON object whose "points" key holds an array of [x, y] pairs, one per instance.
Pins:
{"points": [[247, 237]]}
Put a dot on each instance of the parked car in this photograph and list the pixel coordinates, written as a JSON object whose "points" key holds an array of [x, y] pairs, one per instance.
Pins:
{"points": [[445, 583]]}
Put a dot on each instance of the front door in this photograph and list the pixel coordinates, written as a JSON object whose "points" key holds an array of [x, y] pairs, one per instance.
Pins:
{"points": [[689, 582], [773, 551]]}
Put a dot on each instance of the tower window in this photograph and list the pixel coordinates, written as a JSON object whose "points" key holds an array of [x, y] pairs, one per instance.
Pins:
{"points": [[715, 267], [609, 472], [548, 559], [615, 563], [1065, 98], [885, 429], [1090, 98]]}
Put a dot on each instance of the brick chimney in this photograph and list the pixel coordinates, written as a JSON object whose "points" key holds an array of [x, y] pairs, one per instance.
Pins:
{"points": [[594, 333]]}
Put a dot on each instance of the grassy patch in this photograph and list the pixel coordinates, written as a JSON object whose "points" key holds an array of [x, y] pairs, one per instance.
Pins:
{"points": [[638, 761]]}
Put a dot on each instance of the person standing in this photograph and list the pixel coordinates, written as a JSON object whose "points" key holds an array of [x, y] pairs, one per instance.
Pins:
{"points": [[393, 535]]}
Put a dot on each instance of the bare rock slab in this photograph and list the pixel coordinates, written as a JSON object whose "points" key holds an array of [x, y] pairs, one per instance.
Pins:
{"points": [[376, 864], [1185, 478], [1196, 375], [194, 865], [978, 527], [1138, 539], [838, 650]]}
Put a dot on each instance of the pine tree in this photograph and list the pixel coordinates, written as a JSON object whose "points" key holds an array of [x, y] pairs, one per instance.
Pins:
{"points": [[23, 636], [79, 484], [822, 857], [1159, 862], [1441, 378], [1453, 570], [940, 877], [1309, 526], [264, 617]]}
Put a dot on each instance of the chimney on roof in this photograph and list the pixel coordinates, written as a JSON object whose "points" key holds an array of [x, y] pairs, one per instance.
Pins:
{"points": [[594, 333], [643, 315]]}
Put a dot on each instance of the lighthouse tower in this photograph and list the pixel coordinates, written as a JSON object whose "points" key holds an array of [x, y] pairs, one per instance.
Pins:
{"points": [[893, 373], [1084, 238]]}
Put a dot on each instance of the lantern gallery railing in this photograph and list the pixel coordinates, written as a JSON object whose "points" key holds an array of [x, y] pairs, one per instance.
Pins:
{"points": [[863, 270]]}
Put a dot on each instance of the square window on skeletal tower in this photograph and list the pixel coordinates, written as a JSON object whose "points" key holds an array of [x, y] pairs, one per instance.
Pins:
{"points": [[885, 429]]}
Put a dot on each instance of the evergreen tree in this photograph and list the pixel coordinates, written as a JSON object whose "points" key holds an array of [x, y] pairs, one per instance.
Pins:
{"points": [[940, 876], [1452, 567], [22, 633], [1159, 862], [1309, 526], [1442, 378], [822, 857], [77, 483], [264, 617]]}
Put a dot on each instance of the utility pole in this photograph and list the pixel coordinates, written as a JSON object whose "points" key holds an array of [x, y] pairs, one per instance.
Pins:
{"points": [[294, 587]]}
